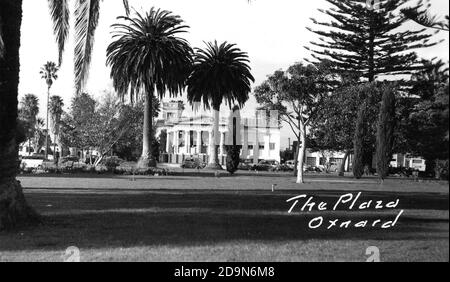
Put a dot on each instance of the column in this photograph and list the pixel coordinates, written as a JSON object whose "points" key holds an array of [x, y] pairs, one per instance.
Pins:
{"points": [[168, 143], [267, 146], [175, 141], [211, 146], [222, 142], [245, 145], [199, 142], [256, 147], [187, 141]]}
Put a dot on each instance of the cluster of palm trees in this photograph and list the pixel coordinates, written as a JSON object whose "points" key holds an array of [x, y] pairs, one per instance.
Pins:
{"points": [[149, 57], [166, 63]]}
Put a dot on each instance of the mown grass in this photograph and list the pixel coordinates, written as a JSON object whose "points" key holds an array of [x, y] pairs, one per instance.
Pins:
{"points": [[228, 219]]}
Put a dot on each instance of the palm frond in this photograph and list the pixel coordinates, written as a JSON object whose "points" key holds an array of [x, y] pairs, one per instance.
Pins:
{"points": [[86, 21], [147, 54], [220, 72], [127, 7], [49, 73], [59, 11]]}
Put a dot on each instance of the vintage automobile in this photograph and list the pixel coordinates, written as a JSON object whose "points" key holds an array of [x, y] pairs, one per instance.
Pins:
{"points": [[35, 161], [267, 165], [193, 163], [245, 165]]}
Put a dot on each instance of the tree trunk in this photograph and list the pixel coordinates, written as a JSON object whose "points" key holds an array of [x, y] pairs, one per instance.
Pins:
{"points": [[46, 125], [297, 152], [14, 209], [301, 155], [147, 159], [342, 167], [214, 143]]}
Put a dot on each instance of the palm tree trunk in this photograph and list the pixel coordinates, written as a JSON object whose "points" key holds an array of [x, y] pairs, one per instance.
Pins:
{"points": [[46, 125], [147, 159], [13, 206], [214, 143]]}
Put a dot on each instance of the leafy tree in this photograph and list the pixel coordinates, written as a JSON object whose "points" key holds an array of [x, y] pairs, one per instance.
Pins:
{"points": [[385, 132], [148, 58], [368, 41], [297, 95], [428, 128], [220, 72], [128, 146], [360, 132], [334, 128]]}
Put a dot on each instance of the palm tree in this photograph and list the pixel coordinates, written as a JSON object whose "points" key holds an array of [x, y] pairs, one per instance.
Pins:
{"points": [[220, 72], [13, 206], [56, 111], [28, 112], [148, 58], [49, 73]]}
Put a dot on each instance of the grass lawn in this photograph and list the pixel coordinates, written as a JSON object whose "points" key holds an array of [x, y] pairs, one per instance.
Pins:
{"points": [[203, 218]]}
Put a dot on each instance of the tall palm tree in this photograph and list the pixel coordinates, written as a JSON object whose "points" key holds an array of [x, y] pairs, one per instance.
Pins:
{"points": [[13, 206], [49, 73], [56, 111], [149, 58], [220, 72]]}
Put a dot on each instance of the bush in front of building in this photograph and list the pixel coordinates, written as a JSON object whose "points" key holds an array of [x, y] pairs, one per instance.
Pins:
{"points": [[233, 158]]}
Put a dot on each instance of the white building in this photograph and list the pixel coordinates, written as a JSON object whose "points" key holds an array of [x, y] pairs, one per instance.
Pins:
{"points": [[188, 136]]}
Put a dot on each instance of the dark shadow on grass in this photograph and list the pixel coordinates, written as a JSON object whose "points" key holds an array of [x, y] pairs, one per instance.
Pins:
{"points": [[115, 198], [182, 218]]}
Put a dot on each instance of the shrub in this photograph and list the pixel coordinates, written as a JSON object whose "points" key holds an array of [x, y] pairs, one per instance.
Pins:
{"points": [[442, 169], [233, 158], [385, 132], [358, 160], [111, 163]]}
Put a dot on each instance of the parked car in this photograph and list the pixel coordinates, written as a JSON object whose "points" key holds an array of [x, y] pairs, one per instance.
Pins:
{"points": [[245, 165], [193, 163], [34, 161], [284, 167], [309, 168], [268, 165], [418, 164], [69, 159], [290, 164]]}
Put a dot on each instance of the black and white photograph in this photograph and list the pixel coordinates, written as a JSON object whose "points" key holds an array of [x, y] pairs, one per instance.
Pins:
{"points": [[224, 137]]}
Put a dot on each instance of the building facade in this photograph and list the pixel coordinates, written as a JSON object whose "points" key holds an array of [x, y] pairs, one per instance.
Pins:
{"points": [[189, 136]]}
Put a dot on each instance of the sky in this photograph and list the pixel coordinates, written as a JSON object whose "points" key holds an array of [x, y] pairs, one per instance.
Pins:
{"points": [[272, 32]]}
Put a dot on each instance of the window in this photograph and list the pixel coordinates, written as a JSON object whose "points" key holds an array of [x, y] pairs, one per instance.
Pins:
{"points": [[272, 146], [261, 146], [323, 161], [311, 161], [336, 161]]}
